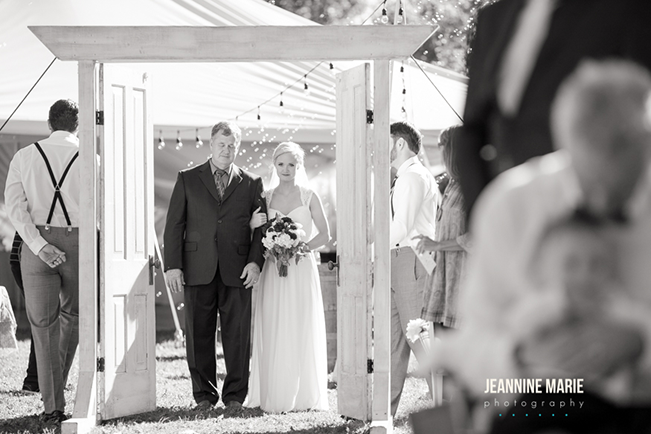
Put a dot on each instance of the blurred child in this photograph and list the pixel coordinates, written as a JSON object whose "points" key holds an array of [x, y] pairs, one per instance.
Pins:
{"points": [[578, 300]]}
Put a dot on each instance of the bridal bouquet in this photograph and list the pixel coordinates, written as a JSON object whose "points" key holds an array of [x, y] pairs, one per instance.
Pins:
{"points": [[282, 241]]}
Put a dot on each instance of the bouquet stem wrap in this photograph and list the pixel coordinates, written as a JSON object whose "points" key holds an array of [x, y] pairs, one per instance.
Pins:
{"points": [[282, 267]]}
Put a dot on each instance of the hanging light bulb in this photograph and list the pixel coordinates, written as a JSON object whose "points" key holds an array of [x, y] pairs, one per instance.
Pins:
{"points": [[161, 142], [281, 104], [400, 18], [198, 141], [258, 112], [332, 68], [179, 143], [385, 18], [306, 88]]}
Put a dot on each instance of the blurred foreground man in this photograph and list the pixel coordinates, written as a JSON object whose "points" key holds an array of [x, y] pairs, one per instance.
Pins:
{"points": [[601, 121]]}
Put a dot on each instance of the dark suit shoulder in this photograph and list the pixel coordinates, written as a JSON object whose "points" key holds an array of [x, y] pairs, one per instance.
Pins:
{"points": [[195, 169], [248, 175], [498, 8]]}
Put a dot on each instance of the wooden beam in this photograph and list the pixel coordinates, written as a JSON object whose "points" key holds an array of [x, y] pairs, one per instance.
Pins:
{"points": [[382, 423], [230, 43], [84, 414]]}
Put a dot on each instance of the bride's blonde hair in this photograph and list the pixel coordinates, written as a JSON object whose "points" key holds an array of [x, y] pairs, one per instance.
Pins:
{"points": [[290, 147]]}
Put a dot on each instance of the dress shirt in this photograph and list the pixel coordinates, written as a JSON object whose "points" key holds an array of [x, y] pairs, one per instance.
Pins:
{"points": [[29, 190], [415, 195], [510, 217], [229, 170]]}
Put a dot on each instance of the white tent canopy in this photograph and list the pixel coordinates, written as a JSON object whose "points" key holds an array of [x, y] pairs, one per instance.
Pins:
{"points": [[190, 96]]}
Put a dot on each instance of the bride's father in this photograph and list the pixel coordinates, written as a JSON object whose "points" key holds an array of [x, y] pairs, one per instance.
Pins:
{"points": [[210, 252]]}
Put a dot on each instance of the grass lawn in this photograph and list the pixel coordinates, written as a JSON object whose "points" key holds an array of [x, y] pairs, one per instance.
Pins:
{"points": [[174, 413]]}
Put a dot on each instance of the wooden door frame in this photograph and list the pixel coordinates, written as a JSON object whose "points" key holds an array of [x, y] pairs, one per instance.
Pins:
{"points": [[90, 45]]}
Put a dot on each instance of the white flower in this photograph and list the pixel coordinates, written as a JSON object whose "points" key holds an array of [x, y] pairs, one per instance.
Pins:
{"points": [[268, 243], [284, 240], [415, 327]]}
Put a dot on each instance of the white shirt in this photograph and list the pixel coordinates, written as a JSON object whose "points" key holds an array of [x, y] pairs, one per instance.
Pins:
{"points": [[29, 190], [507, 224], [415, 195]]}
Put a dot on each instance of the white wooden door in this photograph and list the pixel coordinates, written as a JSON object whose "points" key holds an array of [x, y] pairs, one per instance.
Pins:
{"points": [[127, 384], [354, 243]]}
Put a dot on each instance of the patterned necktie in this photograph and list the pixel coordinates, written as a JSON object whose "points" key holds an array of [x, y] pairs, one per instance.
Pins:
{"points": [[220, 183], [521, 53]]}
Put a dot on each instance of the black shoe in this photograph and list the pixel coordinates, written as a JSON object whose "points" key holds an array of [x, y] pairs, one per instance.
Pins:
{"points": [[30, 389], [233, 408], [204, 405], [57, 416], [233, 405]]}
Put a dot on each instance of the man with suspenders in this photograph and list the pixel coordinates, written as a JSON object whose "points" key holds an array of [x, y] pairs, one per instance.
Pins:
{"points": [[42, 200]]}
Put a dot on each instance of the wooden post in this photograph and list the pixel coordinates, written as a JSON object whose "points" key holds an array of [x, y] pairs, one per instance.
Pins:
{"points": [[382, 422], [84, 414]]}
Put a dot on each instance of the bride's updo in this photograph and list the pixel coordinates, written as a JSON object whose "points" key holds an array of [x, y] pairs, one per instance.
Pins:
{"points": [[290, 147]]}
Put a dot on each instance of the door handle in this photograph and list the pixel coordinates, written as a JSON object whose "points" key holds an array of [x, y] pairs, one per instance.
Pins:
{"points": [[334, 266], [153, 263]]}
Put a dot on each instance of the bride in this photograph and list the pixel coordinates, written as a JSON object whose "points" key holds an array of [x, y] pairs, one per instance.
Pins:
{"points": [[289, 360]]}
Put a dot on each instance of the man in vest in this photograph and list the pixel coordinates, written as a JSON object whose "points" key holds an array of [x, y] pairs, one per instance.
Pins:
{"points": [[42, 199]]}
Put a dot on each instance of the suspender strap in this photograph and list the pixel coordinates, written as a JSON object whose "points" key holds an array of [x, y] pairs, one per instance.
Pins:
{"points": [[57, 185]]}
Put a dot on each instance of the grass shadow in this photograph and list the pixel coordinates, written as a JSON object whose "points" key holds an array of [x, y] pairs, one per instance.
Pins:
{"points": [[170, 358], [163, 414], [27, 425]]}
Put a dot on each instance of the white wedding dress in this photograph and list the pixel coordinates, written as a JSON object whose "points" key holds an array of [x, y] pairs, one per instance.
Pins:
{"points": [[289, 362]]}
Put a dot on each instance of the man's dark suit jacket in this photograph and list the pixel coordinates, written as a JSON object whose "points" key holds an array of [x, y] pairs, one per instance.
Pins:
{"points": [[579, 29], [201, 232]]}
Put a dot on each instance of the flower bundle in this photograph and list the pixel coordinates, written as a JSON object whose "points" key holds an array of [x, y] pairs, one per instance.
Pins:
{"points": [[417, 329], [282, 239]]}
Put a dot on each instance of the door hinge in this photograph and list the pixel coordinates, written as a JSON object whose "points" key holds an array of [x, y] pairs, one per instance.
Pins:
{"points": [[369, 366], [369, 116], [100, 364], [99, 117]]}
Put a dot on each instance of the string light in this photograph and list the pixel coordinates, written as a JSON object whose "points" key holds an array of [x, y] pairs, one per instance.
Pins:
{"points": [[161, 142], [281, 104], [404, 92], [385, 18], [400, 17], [198, 141], [179, 143]]}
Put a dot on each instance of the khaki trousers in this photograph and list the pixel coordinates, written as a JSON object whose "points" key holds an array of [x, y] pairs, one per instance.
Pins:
{"points": [[52, 305], [408, 279]]}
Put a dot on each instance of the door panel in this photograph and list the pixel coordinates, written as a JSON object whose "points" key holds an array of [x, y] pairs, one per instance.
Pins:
{"points": [[353, 243], [128, 332]]}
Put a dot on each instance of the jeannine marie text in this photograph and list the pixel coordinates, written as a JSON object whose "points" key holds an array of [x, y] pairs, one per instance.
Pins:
{"points": [[534, 385]]}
